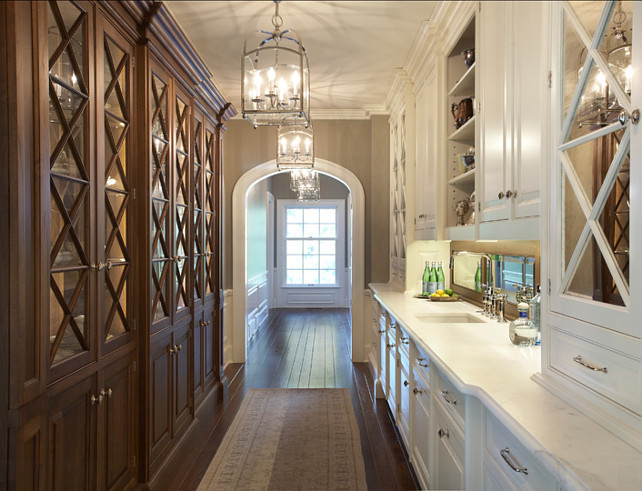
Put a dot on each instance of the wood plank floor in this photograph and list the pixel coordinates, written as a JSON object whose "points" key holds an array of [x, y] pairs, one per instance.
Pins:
{"points": [[297, 348]]}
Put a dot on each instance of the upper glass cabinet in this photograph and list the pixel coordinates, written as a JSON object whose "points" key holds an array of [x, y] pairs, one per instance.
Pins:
{"points": [[592, 163]]}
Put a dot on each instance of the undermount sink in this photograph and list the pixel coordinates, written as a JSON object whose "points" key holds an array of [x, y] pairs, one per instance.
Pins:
{"points": [[454, 318]]}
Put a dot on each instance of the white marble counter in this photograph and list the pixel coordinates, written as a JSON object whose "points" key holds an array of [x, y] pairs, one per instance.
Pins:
{"points": [[481, 361]]}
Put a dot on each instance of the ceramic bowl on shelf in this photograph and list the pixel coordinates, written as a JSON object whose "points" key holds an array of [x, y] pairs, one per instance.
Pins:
{"points": [[469, 56]]}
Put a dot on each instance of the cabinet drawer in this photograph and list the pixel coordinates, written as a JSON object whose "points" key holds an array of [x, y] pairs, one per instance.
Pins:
{"points": [[421, 366], [451, 398], [421, 433], [516, 463], [613, 374]]}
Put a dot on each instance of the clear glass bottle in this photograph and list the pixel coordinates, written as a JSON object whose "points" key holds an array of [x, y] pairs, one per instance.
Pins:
{"points": [[432, 279], [425, 279], [522, 332], [441, 279]]}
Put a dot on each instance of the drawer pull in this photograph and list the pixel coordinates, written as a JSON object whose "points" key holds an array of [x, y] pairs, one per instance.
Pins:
{"points": [[417, 391], [381, 331], [510, 460], [390, 345], [444, 394], [589, 365], [443, 433], [425, 365], [406, 383]]}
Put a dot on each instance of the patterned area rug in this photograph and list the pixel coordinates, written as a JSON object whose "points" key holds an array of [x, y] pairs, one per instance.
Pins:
{"points": [[290, 439]]}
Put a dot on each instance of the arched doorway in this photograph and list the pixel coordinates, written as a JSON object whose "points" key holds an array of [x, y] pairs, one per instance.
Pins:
{"points": [[357, 195]]}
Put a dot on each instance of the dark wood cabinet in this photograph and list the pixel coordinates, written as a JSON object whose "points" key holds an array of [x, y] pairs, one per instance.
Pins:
{"points": [[112, 261]]}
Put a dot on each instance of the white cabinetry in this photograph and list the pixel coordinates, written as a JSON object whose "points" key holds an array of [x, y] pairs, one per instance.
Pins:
{"points": [[591, 337], [507, 464], [420, 422], [449, 457], [426, 189], [512, 95]]}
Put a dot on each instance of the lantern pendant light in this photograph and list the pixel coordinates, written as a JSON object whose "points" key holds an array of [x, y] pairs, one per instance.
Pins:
{"points": [[294, 147], [275, 79], [306, 184]]}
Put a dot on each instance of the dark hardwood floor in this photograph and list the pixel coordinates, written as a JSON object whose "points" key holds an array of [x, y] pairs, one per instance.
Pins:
{"points": [[297, 348]]}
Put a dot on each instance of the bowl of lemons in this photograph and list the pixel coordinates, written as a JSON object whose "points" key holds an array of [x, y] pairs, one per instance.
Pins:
{"points": [[446, 295]]}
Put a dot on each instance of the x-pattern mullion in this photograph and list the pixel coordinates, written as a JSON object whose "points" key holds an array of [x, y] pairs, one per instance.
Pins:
{"points": [[115, 84], [159, 221], [68, 218], [67, 127], [159, 169], [158, 282], [181, 128], [180, 292], [116, 146], [182, 182], [68, 318], [67, 35], [116, 305], [115, 221], [209, 226], [158, 112], [182, 229]]}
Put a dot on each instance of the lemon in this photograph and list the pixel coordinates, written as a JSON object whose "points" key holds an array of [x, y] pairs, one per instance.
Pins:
{"points": [[440, 292], [434, 294]]}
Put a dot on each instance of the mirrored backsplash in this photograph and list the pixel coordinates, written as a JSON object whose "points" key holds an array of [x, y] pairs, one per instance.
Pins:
{"points": [[509, 266]]}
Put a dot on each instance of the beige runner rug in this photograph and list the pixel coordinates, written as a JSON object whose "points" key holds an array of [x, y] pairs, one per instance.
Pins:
{"points": [[290, 439]]}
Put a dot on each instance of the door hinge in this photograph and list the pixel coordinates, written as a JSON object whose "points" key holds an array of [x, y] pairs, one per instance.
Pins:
{"points": [[134, 366], [550, 79], [134, 325], [133, 461], [549, 286], [133, 193], [479, 206]]}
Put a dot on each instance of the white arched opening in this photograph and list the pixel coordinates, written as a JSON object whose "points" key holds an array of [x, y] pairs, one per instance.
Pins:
{"points": [[239, 195]]}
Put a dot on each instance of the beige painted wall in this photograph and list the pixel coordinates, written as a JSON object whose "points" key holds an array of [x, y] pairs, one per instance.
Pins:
{"points": [[361, 146]]}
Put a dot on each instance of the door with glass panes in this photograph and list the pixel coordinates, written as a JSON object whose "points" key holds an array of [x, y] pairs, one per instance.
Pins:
{"points": [[311, 252], [596, 142]]}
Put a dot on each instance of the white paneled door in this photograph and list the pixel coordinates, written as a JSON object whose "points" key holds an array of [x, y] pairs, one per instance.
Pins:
{"points": [[311, 254]]}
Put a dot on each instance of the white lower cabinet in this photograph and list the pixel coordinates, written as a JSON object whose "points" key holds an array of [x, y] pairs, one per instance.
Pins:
{"points": [[453, 441], [448, 469], [516, 464]]}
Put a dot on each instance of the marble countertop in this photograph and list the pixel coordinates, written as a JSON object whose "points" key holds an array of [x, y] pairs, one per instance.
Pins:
{"points": [[481, 361]]}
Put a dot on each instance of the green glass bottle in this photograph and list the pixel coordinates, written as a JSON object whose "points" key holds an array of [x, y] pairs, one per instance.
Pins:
{"points": [[441, 280], [478, 275], [424, 280], [432, 279]]}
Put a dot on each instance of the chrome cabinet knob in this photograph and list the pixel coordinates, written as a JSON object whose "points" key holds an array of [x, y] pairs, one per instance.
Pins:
{"points": [[444, 433], [509, 193], [500, 195]]}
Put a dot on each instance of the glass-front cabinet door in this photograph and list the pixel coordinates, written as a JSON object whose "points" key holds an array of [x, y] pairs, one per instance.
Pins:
{"points": [[595, 166], [71, 271]]}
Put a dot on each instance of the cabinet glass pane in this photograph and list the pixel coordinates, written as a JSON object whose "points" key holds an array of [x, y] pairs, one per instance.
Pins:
{"points": [[117, 128], [69, 197], [159, 229], [116, 301], [181, 287], [596, 173], [159, 289], [67, 314]]}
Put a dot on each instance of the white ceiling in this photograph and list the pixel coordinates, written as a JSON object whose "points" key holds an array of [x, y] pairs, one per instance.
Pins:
{"points": [[353, 47]]}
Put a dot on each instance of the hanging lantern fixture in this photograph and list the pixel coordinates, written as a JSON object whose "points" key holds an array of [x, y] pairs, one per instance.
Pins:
{"points": [[275, 78], [295, 147]]}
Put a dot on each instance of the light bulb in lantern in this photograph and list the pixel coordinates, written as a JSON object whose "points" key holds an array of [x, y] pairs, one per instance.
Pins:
{"points": [[283, 90], [308, 143], [296, 79], [284, 146], [629, 78], [295, 144], [271, 76], [257, 87]]}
